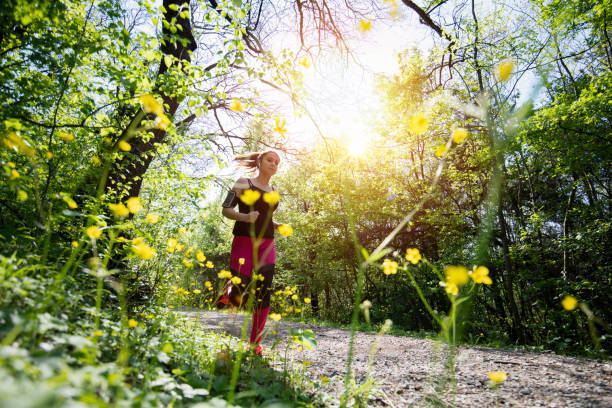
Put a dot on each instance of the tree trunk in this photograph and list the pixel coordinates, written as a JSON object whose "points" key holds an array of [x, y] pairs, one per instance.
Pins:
{"points": [[129, 171]]}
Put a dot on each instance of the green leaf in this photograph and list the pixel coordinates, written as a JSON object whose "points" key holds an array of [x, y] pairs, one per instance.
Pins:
{"points": [[305, 338]]}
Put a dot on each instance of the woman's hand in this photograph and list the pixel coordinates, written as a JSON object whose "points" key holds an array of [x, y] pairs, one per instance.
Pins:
{"points": [[251, 217]]}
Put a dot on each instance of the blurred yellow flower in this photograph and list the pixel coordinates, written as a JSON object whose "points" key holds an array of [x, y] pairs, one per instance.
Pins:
{"points": [[75, 244], [250, 196], [418, 123], [457, 275], [275, 316], [208, 284], [480, 274], [49, 155], [197, 291], [119, 210], [125, 146], [413, 255], [97, 333], [210, 264], [440, 150], [141, 249], [306, 363], [307, 301], [450, 288], [96, 160], [294, 297], [152, 218], [236, 106], [172, 242], [200, 256], [305, 62], [241, 261], [271, 198], [224, 274], [133, 204], [504, 69], [364, 26], [94, 232], [162, 122], [280, 127], [22, 195], [498, 376], [236, 280], [389, 267], [459, 135], [285, 230], [132, 323], [150, 105], [14, 174], [66, 136], [187, 263], [324, 379], [569, 303], [182, 230]]}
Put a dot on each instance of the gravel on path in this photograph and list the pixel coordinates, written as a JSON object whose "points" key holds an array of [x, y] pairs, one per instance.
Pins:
{"points": [[407, 370]]}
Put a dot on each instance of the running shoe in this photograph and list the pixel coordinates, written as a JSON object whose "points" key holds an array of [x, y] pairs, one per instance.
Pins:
{"points": [[225, 295]]}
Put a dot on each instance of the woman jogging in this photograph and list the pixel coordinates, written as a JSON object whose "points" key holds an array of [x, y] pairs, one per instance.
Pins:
{"points": [[253, 251]]}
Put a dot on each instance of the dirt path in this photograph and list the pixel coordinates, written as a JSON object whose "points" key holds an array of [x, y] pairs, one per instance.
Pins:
{"points": [[405, 370]]}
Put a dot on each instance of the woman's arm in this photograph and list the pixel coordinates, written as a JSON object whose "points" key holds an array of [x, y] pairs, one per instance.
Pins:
{"points": [[229, 212]]}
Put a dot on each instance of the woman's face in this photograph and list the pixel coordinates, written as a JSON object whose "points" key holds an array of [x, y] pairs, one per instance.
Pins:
{"points": [[269, 163]]}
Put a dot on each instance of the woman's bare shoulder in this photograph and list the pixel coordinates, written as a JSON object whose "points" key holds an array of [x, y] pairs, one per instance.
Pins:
{"points": [[241, 184]]}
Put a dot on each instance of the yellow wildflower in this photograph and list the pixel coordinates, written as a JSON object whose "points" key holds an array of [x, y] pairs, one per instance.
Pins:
{"points": [[271, 198], [450, 288], [14, 174], [440, 150], [250, 196], [275, 316], [150, 105], [498, 376], [305, 62], [236, 106], [119, 210], [162, 122], [241, 261], [152, 218], [413, 255], [94, 232], [504, 69], [132, 323], [133, 204], [208, 284], [75, 244], [96, 160], [224, 274], [49, 155], [125, 146], [66, 136], [210, 265], [197, 291], [307, 301], [457, 275], [418, 123], [200, 256], [459, 135], [294, 297], [306, 363], [187, 263], [22, 195], [285, 230], [569, 303], [389, 267], [364, 26], [280, 127], [480, 274], [236, 280], [182, 230], [141, 249], [171, 245], [324, 379], [97, 333]]}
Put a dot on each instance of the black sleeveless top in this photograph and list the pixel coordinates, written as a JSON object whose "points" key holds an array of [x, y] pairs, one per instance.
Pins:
{"points": [[244, 228]]}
